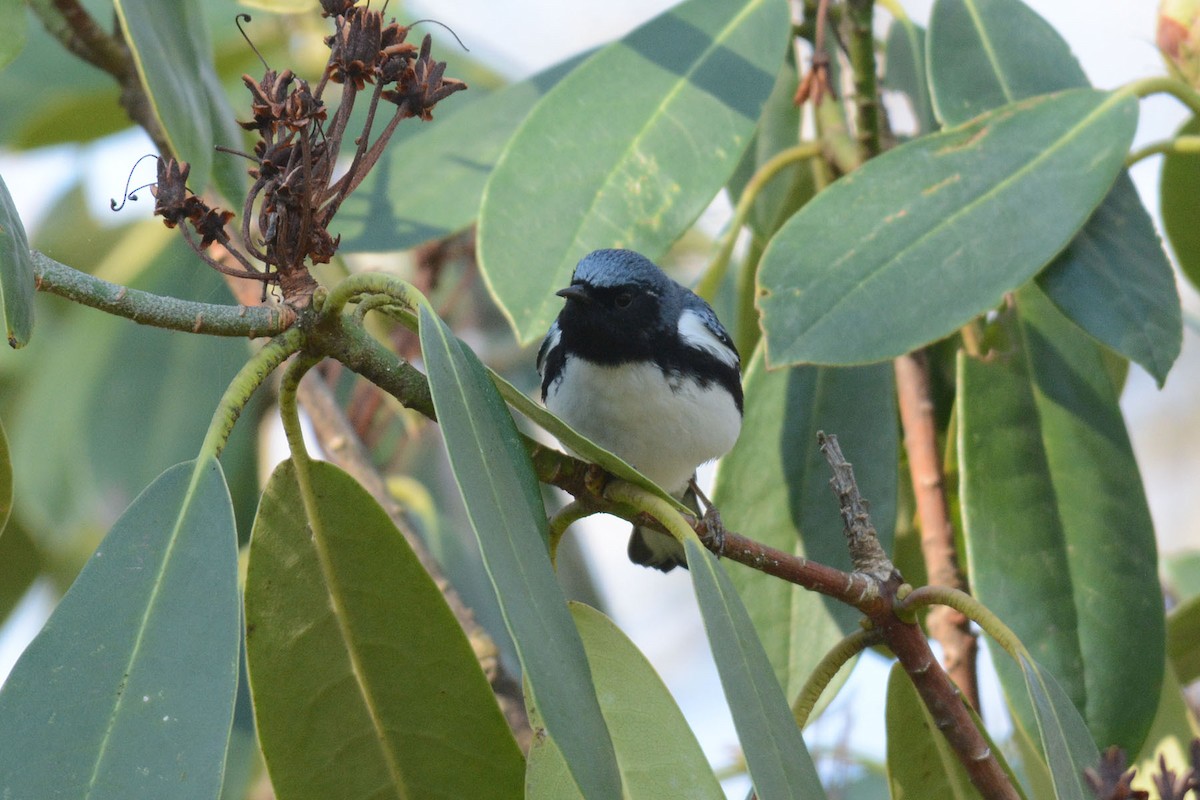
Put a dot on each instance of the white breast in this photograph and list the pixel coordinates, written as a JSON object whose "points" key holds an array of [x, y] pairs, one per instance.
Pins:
{"points": [[632, 411]]}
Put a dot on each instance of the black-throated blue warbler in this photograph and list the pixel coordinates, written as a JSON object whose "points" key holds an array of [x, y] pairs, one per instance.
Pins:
{"points": [[642, 366]]}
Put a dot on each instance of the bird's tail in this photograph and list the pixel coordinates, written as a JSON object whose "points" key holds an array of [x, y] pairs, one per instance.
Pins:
{"points": [[659, 550]]}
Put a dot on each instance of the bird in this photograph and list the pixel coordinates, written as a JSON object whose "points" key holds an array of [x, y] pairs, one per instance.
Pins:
{"points": [[641, 365]]}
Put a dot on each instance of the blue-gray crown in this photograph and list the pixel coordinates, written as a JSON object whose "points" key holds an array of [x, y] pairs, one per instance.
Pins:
{"points": [[618, 267]]}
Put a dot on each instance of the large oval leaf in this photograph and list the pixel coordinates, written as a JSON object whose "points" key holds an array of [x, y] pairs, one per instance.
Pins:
{"points": [[774, 486], [656, 750], [171, 48], [908, 248], [1178, 190], [904, 71], [984, 54], [1113, 280], [776, 757], [112, 403], [364, 684], [1059, 538], [128, 690], [428, 185], [504, 504], [16, 274], [627, 150]]}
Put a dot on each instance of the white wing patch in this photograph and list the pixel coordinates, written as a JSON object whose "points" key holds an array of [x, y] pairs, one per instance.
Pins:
{"points": [[549, 343], [695, 331]]}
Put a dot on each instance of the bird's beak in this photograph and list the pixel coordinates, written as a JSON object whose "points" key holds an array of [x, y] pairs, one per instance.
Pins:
{"points": [[575, 292]]}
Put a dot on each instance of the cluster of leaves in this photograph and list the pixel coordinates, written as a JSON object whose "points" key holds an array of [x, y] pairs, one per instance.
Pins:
{"points": [[1004, 241]]}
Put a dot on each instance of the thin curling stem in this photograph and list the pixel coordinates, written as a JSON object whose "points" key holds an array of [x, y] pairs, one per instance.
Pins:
{"points": [[243, 386], [715, 274], [371, 283], [1180, 145], [828, 668], [968, 605], [566, 516], [289, 411], [637, 497], [1164, 84]]}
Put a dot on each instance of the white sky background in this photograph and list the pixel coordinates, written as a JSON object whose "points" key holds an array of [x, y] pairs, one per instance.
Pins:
{"points": [[1114, 40]]}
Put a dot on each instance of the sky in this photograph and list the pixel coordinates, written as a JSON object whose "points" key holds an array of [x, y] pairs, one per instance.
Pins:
{"points": [[1114, 41]]}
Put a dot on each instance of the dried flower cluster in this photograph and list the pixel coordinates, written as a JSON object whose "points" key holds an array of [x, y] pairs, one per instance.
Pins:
{"points": [[295, 196], [1111, 780]]}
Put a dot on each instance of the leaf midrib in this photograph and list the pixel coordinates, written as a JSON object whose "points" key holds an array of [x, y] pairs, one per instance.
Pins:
{"points": [[947, 222], [634, 141]]}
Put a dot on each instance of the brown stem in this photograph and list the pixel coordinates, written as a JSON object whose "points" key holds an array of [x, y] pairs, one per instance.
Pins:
{"points": [[342, 447], [947, 707], [949, 627]]}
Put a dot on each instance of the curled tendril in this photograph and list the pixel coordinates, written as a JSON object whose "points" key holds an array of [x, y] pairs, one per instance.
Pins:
{"points": [[131, 195], [238, 20], [447, 27]]}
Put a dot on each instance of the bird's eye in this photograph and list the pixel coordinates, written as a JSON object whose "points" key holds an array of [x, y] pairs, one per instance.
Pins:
{"points": [[624, 299]]}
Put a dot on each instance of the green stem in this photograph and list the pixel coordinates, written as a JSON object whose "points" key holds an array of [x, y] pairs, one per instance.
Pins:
{"points": [[146, 308], [289, 410], [569, 514], [972, 608], [371, 283], [828, 667], [243, 386], [626, 493], [746, 331], [1164, 84], [1180, 145], [715, 274], [861, 45]]}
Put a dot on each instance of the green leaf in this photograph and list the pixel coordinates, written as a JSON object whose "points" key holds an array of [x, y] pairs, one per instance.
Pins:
{"points": [[12, 22], [627, 150], [1066, 743], [171, 48], [128, 690], [1059, 538], [933, 233], [113, 403], [60, 80], [775, 483], [1183, 639], [779, 763], [1114, 279], [919, 759], [20, 564], [16, 273], [656, 750], [429, 185], [504, 504], [1115, 282], [1178, 189], [904, 71], [1183, 574], [355, 658], [984, 54]]}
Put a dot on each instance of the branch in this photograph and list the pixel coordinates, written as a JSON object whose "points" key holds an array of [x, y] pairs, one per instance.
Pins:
{"points": [[158, 311], [948, 626]]}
